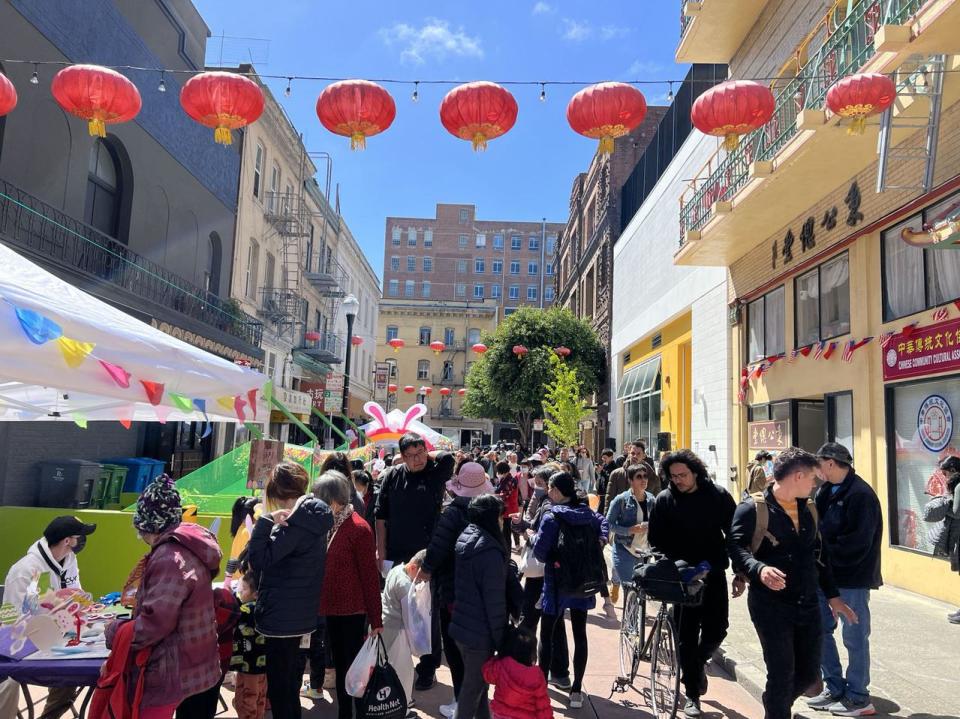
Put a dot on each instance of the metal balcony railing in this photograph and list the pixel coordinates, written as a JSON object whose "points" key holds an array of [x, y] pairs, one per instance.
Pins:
{"points": [[328, 348], [30, 224], [847, 45], [447, 413], [685, 20], [454, 379]]}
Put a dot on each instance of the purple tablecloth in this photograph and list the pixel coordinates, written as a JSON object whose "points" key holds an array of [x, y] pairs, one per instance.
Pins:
{"points": [[53, 673]]}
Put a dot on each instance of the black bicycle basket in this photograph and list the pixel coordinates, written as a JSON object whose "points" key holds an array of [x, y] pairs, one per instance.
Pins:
{"points": [[660, 581]]}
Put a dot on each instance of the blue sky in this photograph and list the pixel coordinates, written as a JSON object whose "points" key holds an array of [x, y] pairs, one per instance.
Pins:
{"points": [[405, 171]]}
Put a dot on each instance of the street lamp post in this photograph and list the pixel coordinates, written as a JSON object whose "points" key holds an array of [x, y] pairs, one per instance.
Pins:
{"points": [[350, 307]]}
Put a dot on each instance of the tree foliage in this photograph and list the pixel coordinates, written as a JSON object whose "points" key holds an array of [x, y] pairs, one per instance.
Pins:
{"points": [[503, 386], [563, 404]]}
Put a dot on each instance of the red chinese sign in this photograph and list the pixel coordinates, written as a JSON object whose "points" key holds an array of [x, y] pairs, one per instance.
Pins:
{"points": [[315, 390], [923, 351], [773, 434]]}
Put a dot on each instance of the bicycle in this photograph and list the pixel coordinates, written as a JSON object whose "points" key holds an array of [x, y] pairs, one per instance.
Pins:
{"points": [[659, 647]]}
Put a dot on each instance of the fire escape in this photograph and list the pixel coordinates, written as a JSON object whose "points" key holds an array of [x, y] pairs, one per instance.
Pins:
{"points": [[283, 305]]}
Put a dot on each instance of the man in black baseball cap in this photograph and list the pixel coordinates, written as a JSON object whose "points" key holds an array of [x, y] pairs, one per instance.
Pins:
{"points": [[53, 561], [851, 525]]}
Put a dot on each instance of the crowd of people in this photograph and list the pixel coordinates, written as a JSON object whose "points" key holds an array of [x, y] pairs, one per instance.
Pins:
{"points": [[512, 550]]}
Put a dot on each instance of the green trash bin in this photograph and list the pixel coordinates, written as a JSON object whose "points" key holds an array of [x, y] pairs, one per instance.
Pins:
{"points": [[98, 497], [111, 498]]}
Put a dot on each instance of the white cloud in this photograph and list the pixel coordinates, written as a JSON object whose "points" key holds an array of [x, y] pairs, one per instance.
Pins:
{"points": [[576, 30], [611, 32], [542, 8], [435, 38], [644, 68]]}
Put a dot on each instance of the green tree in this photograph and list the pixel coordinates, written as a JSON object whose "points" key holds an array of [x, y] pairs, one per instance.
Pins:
{"points": [[563, 404], [506, 387]]}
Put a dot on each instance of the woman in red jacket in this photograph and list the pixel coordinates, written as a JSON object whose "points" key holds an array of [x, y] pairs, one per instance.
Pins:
{"points": [[351, 583]]}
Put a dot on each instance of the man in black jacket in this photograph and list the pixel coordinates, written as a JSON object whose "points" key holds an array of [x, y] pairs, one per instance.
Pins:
{"points": [[690, 521], [851, 524], [785, 565]]}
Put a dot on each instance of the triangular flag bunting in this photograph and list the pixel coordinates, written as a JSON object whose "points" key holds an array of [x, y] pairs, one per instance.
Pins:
{"points": [[207, 430], [162, 413], [74, 351], [268, 391], [908, 330], [154, 391], [252, 399], [36, 327], [201, 405], [126, 423], [79, 420], [238, 404], [805, 351], [830, 350], [226, 403], [117, 373], [184, 404]]}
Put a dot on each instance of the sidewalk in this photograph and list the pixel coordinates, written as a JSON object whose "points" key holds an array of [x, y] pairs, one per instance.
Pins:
{"points": [[915, 668]]}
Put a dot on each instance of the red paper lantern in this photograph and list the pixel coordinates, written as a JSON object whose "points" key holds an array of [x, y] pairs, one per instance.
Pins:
{"points": [[357, 109], [461, 392], [859, 97], [311, 336], [99, 95], [437, 346], [562, 352], [444, 391], [426, 390], [479, 348], [8, 95], [224, 101], [479, 112], [396, 343], [409, 389], [731, 109], [520, 351], [392, 388], [356, 341], [606, 111]]}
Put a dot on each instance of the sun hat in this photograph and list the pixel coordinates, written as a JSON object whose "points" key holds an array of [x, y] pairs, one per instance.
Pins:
{"points": [[472, 481]]}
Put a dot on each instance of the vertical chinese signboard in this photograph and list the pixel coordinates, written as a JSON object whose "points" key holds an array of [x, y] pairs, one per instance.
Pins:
{"points": [[381, 377], [772, 435], [265, 454], [333, 393]]}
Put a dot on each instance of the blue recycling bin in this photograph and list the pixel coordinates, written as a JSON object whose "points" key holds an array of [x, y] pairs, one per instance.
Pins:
{"points": [[138, 472], [157, 467]]}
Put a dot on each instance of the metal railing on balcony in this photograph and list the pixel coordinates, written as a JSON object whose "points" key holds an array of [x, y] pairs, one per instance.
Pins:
{"points": [[323, 346], [447, 413], [453, 379], [685, 19], [847, 45], [32, 225]]}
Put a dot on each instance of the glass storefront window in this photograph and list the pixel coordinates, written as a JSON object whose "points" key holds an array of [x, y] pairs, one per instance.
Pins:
{"points": [[919, 433], [640, 392]]}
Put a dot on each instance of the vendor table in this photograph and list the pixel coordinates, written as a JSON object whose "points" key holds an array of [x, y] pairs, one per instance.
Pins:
{"points": [[82, 673]]}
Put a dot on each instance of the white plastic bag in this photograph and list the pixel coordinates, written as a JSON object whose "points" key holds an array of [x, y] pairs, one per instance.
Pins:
{"points": [[530, 566], [416, 609], [359, 672]]}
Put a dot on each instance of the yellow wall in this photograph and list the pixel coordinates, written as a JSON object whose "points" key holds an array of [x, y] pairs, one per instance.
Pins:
{"points": [[675, 368]]}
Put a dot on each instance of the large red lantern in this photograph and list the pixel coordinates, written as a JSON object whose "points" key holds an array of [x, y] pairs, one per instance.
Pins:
{"points": [[562, 352], [426, 390], [437, 346], [461, 392], [356, 341], [409, 389], [479, 348], [479, 112], [731, 109], [520, 351], [444, 391], [859, 97], [357, 109], [606, 111], [99, 95], [392, 388], [396, 343], [224, 101], [311, 336], [8, 95]]}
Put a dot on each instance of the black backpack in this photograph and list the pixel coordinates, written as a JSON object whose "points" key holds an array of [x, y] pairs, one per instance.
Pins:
{"points": [[578, 560]]}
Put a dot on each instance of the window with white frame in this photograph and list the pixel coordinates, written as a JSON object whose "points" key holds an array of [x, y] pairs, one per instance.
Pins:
{"points": [[532, 268], [395, 237], [498, 241], [395, 263], [393, 288], [478, 266], [473, 336], [392, 332], [258, 171], [428, 238], [463, 240], [551, 244], [514, 292], [428, 264], [448, 336], [534, 243], [495, 291], [822, 302], [425, 336], [532, 292], [481, 240], [461, 289], [766, 325], [548, 294], [423, 369], [408, 287], [253, 261], [411, 263], [425, 289], [516, 242], [497, 267], [411, 237], [548, 269], [461, 267], [515, 268], [464, 216], [478, 292]]}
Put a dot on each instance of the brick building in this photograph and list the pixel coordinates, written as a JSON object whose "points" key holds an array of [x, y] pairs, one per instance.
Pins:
{"points": [[585, 250], [455, 256]]}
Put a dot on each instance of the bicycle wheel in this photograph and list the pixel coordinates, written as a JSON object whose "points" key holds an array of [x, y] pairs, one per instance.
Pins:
{"points": [[664, 670], [631, 636]]}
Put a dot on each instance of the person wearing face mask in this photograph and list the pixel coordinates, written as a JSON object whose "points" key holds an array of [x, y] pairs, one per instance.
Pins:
{"points": [[52, 561]]}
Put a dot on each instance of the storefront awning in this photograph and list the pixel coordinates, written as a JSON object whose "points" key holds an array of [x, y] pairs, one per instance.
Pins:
{"points": [[639, 379]]}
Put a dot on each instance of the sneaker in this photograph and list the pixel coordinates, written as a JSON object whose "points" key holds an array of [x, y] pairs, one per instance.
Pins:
{"points": [[609, 610], [330, 679], [309, 692], [576, 700], [823, 700], [424, 683], [561, 682], [692, 708], [954, 617], [614, 593], [411, 703], [848, 707], [448, 710]]}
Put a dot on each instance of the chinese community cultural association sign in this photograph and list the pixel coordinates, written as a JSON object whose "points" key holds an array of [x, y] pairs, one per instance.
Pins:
{"points": [[920, 351]]}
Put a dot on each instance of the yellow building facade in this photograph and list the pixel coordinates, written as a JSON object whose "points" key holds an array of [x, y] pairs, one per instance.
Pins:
{"points": [[415, 366]]}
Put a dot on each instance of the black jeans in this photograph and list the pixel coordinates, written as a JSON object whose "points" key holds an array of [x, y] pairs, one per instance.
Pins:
{"points": [[451, 651], [318, 654], [791, 641], [427, 666], [552, 628], [702, 629], [346, 640], [560, 654], [202, 705], [285, 665]]}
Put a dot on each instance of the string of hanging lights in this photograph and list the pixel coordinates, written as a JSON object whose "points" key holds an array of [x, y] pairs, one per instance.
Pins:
{"points": [[476, 111]]}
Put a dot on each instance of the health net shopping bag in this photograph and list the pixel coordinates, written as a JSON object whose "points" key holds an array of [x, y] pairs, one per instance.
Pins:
{"points": [[358, 675], [416, 609], [384, 697]]}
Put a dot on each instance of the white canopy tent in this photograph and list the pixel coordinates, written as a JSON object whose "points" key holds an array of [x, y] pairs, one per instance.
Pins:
{"points": [[65, 355]]}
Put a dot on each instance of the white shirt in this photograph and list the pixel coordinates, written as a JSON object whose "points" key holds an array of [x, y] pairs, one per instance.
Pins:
{"points": [[32, 566]]}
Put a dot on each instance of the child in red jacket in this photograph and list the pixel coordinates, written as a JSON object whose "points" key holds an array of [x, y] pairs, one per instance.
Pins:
{"points": [[521, 689]]}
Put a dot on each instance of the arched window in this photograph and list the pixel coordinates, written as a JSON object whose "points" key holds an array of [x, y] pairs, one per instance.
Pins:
{"points": [[211, 275], [109, 189]]}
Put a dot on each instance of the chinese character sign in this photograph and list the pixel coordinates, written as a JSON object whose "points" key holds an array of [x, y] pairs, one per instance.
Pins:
{"points": [[923, 351], [774, 434], [333, 393]]}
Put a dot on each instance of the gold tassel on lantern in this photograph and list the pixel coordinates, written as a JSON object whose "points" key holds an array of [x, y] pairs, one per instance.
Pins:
{"points": [[222, 136], [606, 145], [857, 125], [479, 142], [358, 141], [731, 141], [96, 128]]}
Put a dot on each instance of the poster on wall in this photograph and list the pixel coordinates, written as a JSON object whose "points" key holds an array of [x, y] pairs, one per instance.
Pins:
{"points": [[265, 454]]}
